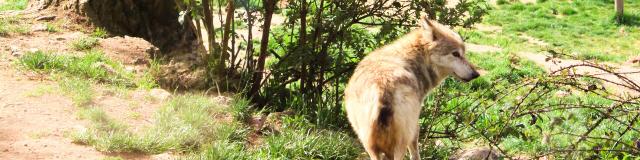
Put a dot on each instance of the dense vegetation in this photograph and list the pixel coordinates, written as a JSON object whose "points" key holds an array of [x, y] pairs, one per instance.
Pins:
{"points": [[297, 76]]}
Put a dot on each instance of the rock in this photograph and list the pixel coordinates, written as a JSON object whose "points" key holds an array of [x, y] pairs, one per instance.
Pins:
{"points": [[130, 69], [14, 49], [561, 94], [634, 60], [45, 18], [140, 61], [222, 100], [39, 27], [159, 94], [152, 51], [16, 54], [482, 153], [33, 50], [104, 66], [163, 156]]}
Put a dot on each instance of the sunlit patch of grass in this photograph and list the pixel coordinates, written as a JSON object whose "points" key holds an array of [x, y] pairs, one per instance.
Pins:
{"points": [[100, 33], [297, 140], [13, 5], [85, 43], [112, 158], [80, 90], [584, 27], [51, 27], [92, 65], [41, 90], [185, 123], [12, 24]]}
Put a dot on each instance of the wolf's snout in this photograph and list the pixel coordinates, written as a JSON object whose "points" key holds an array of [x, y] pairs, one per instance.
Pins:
{"points": [[472, 76]]}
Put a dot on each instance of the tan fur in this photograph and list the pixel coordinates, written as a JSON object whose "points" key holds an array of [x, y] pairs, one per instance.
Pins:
{"points": [[384, 95]]}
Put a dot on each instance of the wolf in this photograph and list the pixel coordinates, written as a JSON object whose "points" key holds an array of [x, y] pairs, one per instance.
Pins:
{"points": [[383, 97]]}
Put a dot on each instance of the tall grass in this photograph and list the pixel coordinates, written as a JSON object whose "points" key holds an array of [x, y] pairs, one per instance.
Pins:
{"points": [[13, 5]]}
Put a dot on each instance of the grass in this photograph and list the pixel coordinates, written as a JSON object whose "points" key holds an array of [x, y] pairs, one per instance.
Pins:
{"points": [[41, 90], [585, 28], [195, 126], [100, 33], [13, 5], [185, 123], [85, 43], [80, 90], [13, 24], [296, 140], [92, 65], [51, 27]]}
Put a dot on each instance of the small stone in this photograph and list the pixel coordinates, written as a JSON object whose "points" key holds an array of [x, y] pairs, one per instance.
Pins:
{"points": [[16, 54], [163, 156], [39, 27], [159, 94], [45, 18], [562, 94], [634, 60], [104, 66], [130, 69], [14, 49], [26, 145], [478, 153]]}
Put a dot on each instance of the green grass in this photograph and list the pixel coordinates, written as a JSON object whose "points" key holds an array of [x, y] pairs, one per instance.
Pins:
{"points": [[192, 124], [13, 5], [112, 158], [100, 33], [585, 28], [80, 90], [41, 90], [296, 140], [51, 27], [13, 24], [85, 43], [185, 123], [92, 65]]}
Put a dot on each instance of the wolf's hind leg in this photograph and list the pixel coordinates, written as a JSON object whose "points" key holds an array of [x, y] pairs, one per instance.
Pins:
{"points": [[413, 147]]}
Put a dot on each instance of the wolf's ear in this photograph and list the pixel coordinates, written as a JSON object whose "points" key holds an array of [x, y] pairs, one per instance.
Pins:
{"points": [[429, 27]]}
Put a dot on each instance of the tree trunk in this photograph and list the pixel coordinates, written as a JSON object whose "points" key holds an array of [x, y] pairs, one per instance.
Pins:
{"points": [[619, 9], [156, 21], [269, 6]]}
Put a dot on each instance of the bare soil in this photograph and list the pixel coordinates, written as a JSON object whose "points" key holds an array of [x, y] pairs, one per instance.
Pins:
{"points": [[633, 72], [35, 125]]}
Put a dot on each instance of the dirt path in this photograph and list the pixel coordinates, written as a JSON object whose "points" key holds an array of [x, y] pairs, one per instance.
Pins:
{"points": [[35, 118], [550, 66], [34, 127], [634, 75]]}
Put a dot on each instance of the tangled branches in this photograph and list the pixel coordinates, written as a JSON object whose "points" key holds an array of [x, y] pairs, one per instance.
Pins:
{"points": [[566, 112]]}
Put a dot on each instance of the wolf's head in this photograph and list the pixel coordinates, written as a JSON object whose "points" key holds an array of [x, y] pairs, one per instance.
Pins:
{"points": [[446, 51]]}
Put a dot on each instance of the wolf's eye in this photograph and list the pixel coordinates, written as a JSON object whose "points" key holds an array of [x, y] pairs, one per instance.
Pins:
{"points": [[456, 54]]}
